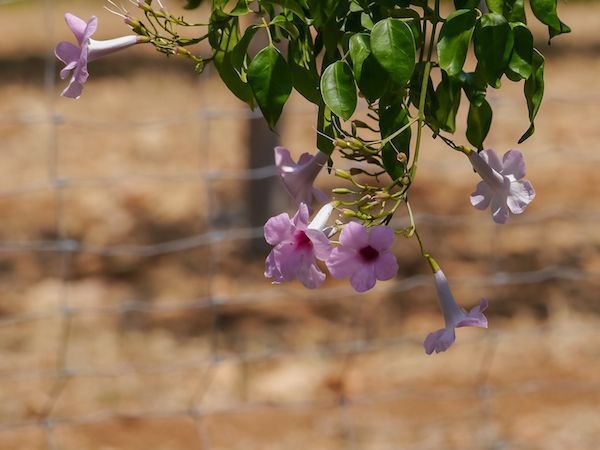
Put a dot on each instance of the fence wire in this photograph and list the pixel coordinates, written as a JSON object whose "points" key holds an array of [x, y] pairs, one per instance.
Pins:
{"points": [[214, 302]]}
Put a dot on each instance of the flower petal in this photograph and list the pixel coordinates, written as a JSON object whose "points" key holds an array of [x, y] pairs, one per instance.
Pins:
{"points": [[381, 238], [67, 52], [513, 165], [439, 341], [363, 278], [300, 219], [482, 196], [354, 236], [521, 194], [278, 229], [78, 26], [343, 262], [288, 261], [386, 266], [73, 90], [283, 160], [499, 209], [311, 276], [271, 269], [475, 317], [321, 245]]}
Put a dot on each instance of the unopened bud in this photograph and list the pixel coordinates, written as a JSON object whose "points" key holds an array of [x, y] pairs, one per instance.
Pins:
{"points": [[349, 213], [355, 144], [342, 174], [340, 143], [342, 191], [401, 157], [181, 51], [405, 181]]}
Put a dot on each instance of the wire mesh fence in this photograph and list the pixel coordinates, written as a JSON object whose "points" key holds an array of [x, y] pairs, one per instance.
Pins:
{"points": [[143, 326]]}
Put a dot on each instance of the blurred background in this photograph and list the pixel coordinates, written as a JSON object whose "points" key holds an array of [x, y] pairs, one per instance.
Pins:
{"points": [[133, 309]]}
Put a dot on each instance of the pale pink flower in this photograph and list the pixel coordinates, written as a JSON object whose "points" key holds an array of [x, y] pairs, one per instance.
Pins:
{"points": [[502, 187], [296, 247], [76, 57], [454, 317], [298, 178], [364, 256]]}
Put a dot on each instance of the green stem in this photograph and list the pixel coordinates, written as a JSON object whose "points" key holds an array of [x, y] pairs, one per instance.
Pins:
{"points": [[421, 119]]}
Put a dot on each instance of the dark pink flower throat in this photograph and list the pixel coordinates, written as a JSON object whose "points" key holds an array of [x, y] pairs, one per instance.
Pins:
{"points": [[368, 253], [302, 241]]}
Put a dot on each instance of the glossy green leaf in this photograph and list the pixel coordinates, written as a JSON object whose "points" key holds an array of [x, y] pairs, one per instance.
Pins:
{"points": [[466, 4], [393, 116], [534, 92], [479, 121], [290, 29], [322, 10], [339, 90], [448, 97], [522, 54], [474, 86], [325, 128], [192, 4], [454, 40], [291, 5], [393, 45], [512, 10], [493, 47], [545, 11], [271, 82], [369, 75], [239, 52], [224, 39], [301, 61]]}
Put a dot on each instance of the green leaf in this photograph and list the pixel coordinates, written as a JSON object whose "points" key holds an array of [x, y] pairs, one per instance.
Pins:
{"points": [[479, 121], [370, 77], [224, 39], [322, 10], [448, 97], [393, 45], [301, 60], [534, 91], [192, 4], [393, 116], [326, 130], [493, 47], [466, 4], [271, 82], [291, 29], [338, 89], [291, 5], [474, 86], [238, 56], [512, 10], [522, 54], [545, 11], [455, 37]]}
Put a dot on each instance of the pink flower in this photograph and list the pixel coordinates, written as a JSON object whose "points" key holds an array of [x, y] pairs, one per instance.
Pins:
{"points": [[501, 187], [363, 256], [297, 246], [298, 178], [454, 316], [76, 57]]}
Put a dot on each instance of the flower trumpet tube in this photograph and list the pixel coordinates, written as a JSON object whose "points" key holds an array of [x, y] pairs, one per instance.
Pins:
{"points": [[502, 187], [298, 178], [76, 57]]}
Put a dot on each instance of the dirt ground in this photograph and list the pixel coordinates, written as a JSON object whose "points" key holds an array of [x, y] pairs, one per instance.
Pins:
{"points": [[133, 310]]}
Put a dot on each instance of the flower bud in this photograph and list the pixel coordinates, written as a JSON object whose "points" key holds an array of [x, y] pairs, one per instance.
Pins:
{"points": [[402, 158], [342, 174], [342, 191]]}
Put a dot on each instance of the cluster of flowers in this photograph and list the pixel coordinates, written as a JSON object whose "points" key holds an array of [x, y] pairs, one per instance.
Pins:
{"points": [[363, 253]]}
